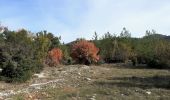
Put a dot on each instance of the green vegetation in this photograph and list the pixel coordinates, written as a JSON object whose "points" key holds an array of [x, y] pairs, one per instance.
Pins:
{"points": [[153, 49], [23, 53]]}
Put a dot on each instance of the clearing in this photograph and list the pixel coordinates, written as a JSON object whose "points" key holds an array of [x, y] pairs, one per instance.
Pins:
{"points": [[81, 82]]}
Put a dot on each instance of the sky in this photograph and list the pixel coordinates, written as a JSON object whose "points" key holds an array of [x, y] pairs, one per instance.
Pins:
{"points": [[73, 19]]}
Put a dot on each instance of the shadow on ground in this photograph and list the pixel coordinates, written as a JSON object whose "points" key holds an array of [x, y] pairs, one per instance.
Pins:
{"points": [[130, 66], [140, 82]]}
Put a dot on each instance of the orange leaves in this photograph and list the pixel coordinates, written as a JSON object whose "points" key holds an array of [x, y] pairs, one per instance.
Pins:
{"points": [[54, 57], [84, 51]]}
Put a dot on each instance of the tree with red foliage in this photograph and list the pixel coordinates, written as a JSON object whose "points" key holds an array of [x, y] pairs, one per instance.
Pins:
{"points": [[84, 52], [54, 57]]}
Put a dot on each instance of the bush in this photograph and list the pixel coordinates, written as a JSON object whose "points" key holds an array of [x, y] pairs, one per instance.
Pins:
{"points": [[11, 73], [37, 66], [84, 52], [154, 63], [54, 57], [18, 58]]}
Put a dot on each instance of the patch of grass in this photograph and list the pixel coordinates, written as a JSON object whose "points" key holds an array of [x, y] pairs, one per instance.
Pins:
{"points": [[18, 97], [60, 94], [141, 82]]}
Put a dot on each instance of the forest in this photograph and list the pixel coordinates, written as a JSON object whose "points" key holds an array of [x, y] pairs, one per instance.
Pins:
{"points": [[23, 53]]}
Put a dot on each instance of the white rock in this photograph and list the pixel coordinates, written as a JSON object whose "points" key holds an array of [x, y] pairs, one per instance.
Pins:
{"points": [[0, 69], [148, 92], [41, 75], [78, 73], [88, 79], [85, 67], [92, 99]]}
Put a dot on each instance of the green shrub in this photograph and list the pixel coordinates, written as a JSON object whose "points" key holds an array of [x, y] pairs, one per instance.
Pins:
{"points": [[154, 63], [13, 73]]}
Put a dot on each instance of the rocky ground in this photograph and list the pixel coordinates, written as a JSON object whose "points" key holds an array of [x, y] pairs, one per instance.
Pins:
{"points": [[81, 82]]}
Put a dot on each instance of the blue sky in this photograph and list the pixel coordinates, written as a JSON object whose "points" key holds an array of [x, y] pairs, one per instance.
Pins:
{"points": [[71, 19]]}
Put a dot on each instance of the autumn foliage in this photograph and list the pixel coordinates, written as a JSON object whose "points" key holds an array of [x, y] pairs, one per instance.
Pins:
{"points": [[54, 57], [84, 52]]}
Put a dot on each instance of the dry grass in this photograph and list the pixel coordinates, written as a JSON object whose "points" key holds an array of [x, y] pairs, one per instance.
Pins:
{"points": [[107, 82]]}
